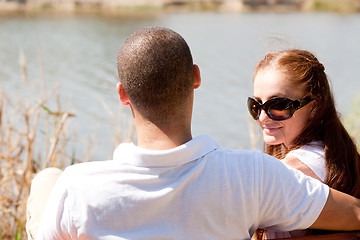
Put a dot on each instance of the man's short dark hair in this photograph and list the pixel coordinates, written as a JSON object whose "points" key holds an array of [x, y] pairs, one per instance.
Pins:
{"points": [[155, 67]]}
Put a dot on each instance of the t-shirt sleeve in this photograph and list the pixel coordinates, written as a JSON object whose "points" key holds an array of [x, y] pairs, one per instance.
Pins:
{"points": [[55, 221], [290, 200]]}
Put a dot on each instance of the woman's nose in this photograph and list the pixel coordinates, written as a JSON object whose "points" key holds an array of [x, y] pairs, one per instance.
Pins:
{"points": [[263, 116]]}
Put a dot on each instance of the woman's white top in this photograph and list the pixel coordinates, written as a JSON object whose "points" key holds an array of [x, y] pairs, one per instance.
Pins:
{"points": [[313, 156]]}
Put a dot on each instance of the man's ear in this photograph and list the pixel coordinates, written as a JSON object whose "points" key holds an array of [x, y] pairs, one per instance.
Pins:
{"points": [[124, 99], [197, 77]]}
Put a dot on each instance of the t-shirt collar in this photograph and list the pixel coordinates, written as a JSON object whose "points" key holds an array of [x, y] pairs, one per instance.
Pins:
{"points": [[129, 153]]}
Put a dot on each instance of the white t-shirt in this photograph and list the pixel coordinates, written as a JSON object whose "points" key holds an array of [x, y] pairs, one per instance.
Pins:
{"points": [[195, 191]]}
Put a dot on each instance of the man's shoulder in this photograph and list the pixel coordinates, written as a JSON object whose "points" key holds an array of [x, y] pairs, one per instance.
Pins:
{"points": [[236, 157], [239, 153], [246, 158], [88, 167]]}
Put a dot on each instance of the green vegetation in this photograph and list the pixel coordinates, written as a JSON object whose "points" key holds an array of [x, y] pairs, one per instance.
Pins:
{"points": [[351, 120], [333, 5]]}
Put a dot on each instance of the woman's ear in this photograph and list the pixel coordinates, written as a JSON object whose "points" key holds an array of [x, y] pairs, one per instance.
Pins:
{"points": [[197, 77], [124, 99]]}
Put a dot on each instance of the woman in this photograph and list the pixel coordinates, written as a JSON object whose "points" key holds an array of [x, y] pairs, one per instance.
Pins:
{"points": [[295, 109]]}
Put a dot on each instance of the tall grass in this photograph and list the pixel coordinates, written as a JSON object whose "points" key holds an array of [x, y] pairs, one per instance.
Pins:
{"points": [[26, 148]]}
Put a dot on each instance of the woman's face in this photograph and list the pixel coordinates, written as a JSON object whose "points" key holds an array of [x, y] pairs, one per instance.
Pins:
{"points": [[270, 83]]}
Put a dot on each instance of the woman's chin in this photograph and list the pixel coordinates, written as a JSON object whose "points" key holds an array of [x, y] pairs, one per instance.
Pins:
{"points": [[271, 140]]}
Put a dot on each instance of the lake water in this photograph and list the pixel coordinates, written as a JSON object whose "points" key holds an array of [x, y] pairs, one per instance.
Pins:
{"points": [[79, 52]]}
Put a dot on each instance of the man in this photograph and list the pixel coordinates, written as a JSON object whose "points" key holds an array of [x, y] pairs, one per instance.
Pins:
{"points": [[171, 186]]}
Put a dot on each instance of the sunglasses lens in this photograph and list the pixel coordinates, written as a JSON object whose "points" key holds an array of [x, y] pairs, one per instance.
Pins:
{"points": [[280, 109], [254, 108]]}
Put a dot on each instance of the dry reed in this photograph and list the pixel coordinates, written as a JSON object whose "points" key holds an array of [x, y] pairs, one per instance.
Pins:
{"points": [[19, 136]]}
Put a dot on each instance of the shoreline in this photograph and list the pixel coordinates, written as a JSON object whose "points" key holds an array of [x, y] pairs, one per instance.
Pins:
{"points": [[133, 6]]}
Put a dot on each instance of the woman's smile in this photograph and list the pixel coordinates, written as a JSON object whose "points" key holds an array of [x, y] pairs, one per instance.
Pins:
{"points": [[270, 128]]}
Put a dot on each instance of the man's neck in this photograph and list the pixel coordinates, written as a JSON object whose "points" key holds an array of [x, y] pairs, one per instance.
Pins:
{"points": [[153, 137]]}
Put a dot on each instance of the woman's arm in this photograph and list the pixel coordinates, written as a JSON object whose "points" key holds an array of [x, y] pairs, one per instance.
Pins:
{"points": [[341, 212]]}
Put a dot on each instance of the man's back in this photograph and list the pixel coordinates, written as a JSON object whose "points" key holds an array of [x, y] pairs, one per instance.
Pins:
{"points": [[195, 191]]}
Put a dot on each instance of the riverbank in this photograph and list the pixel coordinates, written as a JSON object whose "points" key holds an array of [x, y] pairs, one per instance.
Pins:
{"points": [[9, 6]]}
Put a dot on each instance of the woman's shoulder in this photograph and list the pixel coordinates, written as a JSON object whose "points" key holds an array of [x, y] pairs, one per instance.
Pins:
{"points": [[310, 157]]}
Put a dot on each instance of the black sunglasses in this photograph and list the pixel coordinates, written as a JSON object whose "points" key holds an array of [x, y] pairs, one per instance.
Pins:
{"points": [[277, 109]]}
